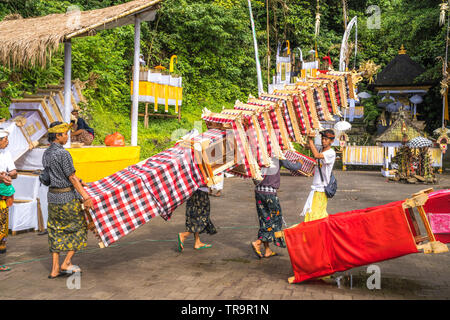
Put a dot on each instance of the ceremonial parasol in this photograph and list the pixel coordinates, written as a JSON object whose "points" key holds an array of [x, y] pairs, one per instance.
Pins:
{"points": [[342, 126], [416, 99], [393, 107], [364, 95], [419, 142]]}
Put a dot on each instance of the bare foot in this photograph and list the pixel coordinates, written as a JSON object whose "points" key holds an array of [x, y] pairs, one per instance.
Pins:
{"points": [[201, 245], [69, 267], [268, 253], [54, 273], [256, 246]]}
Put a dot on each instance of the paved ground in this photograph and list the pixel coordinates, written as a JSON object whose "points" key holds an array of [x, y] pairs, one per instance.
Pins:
{"points": [[146, 265]]}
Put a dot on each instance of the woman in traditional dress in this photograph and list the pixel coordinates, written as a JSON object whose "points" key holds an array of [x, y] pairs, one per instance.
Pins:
{"points": [[81, 132], [7, 173], [316, 205], [197, 219], [67, 228], [268, 207]]}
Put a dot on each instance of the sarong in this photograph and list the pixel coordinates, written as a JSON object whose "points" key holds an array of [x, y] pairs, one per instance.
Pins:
{"points": [[316, 206], [85, 137], [270, 218], [4, 212], [198, 214], [66, 226]]}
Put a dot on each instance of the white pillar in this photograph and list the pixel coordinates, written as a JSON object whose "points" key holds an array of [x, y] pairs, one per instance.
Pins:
{"points": [[258, 66], [134, 108], [67, 84]]}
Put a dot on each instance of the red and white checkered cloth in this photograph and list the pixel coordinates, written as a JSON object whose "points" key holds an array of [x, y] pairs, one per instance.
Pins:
{"points": [[252, 137], [242, 159], [338, 95], [131, 197], [298, 110], [262, 125], [308, 164], [122, 203], [286, 115], [274, 120], [171, 176], [212, 135], [308, 110], [319, 107], [328, 99]]}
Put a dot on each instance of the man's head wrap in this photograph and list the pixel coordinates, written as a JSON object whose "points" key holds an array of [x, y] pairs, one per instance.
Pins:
{"points": [[60, 128]]}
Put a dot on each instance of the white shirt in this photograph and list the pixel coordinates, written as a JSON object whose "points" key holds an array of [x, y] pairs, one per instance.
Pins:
{"points": [[327, 166], [6, 162]]}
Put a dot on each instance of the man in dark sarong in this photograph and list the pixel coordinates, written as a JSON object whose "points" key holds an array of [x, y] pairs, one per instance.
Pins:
{"points": [[67, 227]]}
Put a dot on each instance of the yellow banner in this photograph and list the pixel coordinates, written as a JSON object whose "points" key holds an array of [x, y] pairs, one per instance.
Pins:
{"points": [[95, 163]]}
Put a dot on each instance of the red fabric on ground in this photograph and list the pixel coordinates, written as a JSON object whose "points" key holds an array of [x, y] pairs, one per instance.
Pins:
{"points": [[442, 237], [438, 211], [349, 239], [438, 202]]}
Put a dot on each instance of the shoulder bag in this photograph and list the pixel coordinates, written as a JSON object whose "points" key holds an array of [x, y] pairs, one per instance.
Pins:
{"points": [[331, 188]]}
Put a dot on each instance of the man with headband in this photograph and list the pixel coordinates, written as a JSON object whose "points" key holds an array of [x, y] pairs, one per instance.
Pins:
{"points": [[7, 173], [67, 228], [316, 205]]}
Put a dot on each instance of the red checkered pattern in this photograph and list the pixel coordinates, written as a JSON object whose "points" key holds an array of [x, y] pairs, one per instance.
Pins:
{"points": [[287, 117], [171, 176], [253, 142], [327, 97], [263, 127], [308, 111], [265, 132], [298, 110], [320, 113], [308, 164], [338, 96], [122, 203], [252, 137], [276, 127], [212, 135], [240, 146], [275, 124], [131, 197], [347, 89], [241, 153]]}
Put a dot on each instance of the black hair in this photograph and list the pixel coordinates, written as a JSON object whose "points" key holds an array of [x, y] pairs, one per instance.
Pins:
{"points": [[52, 136], [329, 133]]}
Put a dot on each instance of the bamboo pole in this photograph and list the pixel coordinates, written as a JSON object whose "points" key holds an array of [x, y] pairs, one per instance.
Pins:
{"points": [[258, 66]]}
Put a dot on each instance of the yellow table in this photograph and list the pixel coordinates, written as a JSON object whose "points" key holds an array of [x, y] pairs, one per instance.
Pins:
{"points": [[96, 162]]}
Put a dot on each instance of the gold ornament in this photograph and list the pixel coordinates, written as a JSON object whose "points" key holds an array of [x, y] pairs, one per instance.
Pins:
{"points": [[443, 140], [369, 69]]}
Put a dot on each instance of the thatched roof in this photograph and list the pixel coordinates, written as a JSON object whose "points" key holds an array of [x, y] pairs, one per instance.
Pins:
{"points": [[29, 41], [401, 71], [395, 133]]}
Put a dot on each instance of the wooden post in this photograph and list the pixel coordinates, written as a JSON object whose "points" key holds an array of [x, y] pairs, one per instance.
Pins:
{"points": [[41, 226], [146, 116]]}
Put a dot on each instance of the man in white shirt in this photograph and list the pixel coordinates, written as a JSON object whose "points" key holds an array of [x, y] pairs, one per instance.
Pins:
{"points": [[7, 173], [316, 204]]}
